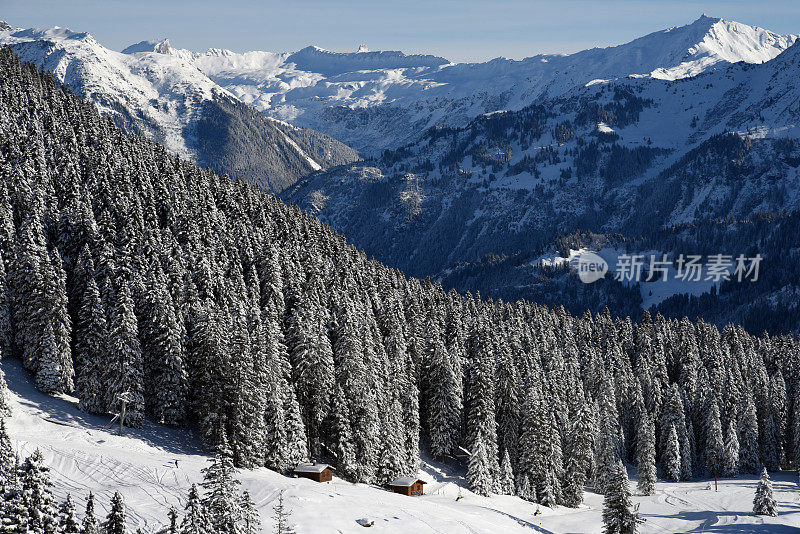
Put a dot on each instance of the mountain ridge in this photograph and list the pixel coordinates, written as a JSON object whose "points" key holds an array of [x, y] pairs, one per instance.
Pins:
{"points": [[168, 99], [387, 107]]}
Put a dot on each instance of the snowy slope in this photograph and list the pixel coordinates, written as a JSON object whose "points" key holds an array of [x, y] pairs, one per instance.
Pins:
{"points": [[141, 466], [161, 93], [376, 100], [165, 97]]}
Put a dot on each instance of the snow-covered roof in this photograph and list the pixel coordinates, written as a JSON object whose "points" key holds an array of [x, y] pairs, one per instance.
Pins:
{"points": [[406, 481], [311, 468]]}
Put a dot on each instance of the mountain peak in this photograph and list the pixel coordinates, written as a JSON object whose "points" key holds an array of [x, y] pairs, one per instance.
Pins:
{"points": [[5, 26], [160, 46], [705, 19], [697, 47]]}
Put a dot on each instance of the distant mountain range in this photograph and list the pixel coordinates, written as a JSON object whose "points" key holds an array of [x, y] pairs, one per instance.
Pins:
{"points": [[378, 100]]}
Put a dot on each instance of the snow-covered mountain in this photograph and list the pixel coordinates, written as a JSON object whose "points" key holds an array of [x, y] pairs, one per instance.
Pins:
{"points": [[378, 100], [165, 97], [622, 156]]}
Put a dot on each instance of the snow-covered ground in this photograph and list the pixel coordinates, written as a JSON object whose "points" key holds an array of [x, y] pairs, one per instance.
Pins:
{"points": [[141, 466], [654, 292]]}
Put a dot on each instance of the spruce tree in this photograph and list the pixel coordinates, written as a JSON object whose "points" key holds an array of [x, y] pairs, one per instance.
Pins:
{"points": [[91, 352], [250, 519], [507, 484], [124, 374], [714, 446], [646, 456], [37, 495], [479, 472], [282, 517], [68, 524], [8, 459], [172, 528], [221, 500], [730, 459], [195, 520], [90, 524], [115, 520], [749, 458], [580, 457], [764, 501], [444, 409], [619, 515], [671, 459]]}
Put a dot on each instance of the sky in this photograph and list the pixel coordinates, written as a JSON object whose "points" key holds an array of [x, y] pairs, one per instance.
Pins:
{"points": [[464, 30]]}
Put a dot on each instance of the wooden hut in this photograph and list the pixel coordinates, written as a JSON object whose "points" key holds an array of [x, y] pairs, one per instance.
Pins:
{"points": [[316, 472], [407, 485]]}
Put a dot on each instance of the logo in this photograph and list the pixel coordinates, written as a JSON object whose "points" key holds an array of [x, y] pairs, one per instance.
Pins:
{"points": [[590, 267]]}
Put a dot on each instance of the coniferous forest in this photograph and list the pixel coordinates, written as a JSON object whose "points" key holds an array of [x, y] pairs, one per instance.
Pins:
{"points": [[212, 304]]}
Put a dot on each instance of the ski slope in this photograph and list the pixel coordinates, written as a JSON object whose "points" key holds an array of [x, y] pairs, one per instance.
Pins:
{"points": [[141, 465]]}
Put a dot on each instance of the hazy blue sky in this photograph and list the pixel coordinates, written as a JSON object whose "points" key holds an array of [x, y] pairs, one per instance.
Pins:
{"points": [[459, 30]]}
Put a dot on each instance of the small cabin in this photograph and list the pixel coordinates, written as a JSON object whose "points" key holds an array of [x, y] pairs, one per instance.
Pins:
{"points": [[407, 486], [316, 472]]}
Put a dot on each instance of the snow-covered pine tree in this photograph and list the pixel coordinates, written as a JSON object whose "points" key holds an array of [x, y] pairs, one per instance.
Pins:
{"points": [[673, 416], [124, 375], [221, 500], [115, 520], [481, 424], [646, 456], [749, 458], [312, 361], [730, 459], [508, 403], [507, 484], [250, 519], [581, 455], [297, 443], [68, 524], [444, 408], [671, 457], [5, 311], [90, 524], [173, 527], [282, 517], [609, 448], [61, 321], [276, 439], [391, 459], [246, 420], [15, 513], [162, 350], [619, 516], [37, 495], [764, 501], [91, 337], [195, 520], [714, 450], [8, 459], [479, 471], [524, 488]]}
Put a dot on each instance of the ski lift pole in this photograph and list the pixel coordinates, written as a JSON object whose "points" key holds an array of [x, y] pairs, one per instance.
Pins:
{"points": [[714, 456], [124, 399]]}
